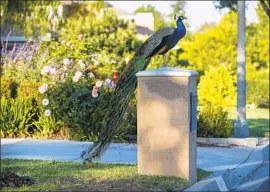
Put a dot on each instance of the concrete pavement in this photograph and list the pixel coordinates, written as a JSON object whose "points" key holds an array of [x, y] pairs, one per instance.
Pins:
{"points": [[208, 158], [232, 179], [258, 180]]}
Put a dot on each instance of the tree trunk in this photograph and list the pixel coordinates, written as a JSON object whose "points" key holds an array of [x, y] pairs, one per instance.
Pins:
{"points": [[241, 125], [266, 7]]}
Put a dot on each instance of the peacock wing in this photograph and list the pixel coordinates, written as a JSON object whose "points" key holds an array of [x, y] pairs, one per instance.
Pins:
{"points": [[152, 42]]}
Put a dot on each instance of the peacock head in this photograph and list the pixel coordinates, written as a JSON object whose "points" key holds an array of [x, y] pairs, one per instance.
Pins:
{"points": [[179, 20], [176, 17]]}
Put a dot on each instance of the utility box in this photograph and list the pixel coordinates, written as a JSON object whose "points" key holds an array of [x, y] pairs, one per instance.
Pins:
{"points": [[167, 123]]}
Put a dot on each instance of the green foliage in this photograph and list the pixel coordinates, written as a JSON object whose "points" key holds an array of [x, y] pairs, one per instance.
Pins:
{"points": [[230, 4], [217, 87], [263, 36], [213, 47], [16, 117], [13, 89], [8, 88], [31, 16], [73, 104], [46, 126], [178, 8], [105, 43], [23, 63], [102, 43], [258, 88], [28, 90], [213, 121], [159, 21]]}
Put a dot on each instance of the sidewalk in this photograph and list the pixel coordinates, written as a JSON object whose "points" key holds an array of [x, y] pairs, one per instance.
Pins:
{"points": [[209, 158], [238, 177]]}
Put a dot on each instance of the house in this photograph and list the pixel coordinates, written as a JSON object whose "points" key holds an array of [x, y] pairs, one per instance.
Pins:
{"points": [[144, 21]]}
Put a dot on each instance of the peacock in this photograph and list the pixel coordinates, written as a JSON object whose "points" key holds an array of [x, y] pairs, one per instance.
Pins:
{"points": [[116, 104]]}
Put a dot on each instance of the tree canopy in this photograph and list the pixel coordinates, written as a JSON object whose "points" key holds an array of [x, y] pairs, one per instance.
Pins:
{"points": [[232, 5]]}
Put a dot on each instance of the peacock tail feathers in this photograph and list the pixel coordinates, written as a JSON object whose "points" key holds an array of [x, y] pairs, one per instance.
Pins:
{"points": [[112, 107]]}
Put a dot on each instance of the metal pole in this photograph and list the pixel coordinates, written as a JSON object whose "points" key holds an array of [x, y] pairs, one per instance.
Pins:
{"points": [[241, 125]]}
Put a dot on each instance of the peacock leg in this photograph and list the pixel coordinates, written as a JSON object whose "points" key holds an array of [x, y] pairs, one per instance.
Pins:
{"points": [[164, 60]]}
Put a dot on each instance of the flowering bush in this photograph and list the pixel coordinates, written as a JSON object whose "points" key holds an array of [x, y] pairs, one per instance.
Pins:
{"points": [[71, 94], [72, 72]]}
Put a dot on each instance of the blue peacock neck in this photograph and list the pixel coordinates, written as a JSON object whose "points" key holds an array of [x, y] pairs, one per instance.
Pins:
{"points": [[181, 29]]}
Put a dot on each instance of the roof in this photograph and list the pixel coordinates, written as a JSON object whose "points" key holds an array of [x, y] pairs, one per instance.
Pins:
{"points": [[121, 12], [144, 30]]}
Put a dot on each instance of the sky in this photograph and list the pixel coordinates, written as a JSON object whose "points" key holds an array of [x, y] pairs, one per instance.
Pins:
{"points": [[198, 12]]}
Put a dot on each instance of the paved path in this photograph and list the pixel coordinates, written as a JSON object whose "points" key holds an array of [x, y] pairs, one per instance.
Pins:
{"points": [[209, 158], [258, 181]]}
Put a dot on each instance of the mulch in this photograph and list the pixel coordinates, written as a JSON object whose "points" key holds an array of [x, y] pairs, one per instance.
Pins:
{"points": [[9, 179]]}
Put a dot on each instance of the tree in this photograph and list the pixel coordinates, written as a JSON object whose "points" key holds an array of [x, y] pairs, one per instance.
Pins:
{"points": [[263, 36], [214, 46], [266, 6], [178, 8], [232, 5], [159, 21], [29, 16]]}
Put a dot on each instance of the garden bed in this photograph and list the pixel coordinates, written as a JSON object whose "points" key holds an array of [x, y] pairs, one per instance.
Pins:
{"points": [[69, 176]]}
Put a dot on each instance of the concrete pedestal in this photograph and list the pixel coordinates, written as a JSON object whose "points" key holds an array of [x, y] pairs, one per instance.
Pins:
{"points": [[167, 123]]}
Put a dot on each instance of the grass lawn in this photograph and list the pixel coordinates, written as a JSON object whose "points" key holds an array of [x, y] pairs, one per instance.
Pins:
{"points": [[258, 120], [57, 176]]}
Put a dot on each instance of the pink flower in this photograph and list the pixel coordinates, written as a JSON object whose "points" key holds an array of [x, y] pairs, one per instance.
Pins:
{"points": [[45, 70], [42, 89], [94, 94], [53, 71]]}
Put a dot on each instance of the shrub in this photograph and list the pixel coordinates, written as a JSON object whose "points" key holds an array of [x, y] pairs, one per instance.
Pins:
{"points": [[16, 117], [217, 87], [72, 103], [29, 90], [213, 121], [46, 126], [9, 88], [258, 88]]}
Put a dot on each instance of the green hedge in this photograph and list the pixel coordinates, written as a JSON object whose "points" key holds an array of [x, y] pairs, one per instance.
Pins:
{"points": [[213, 121]]}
